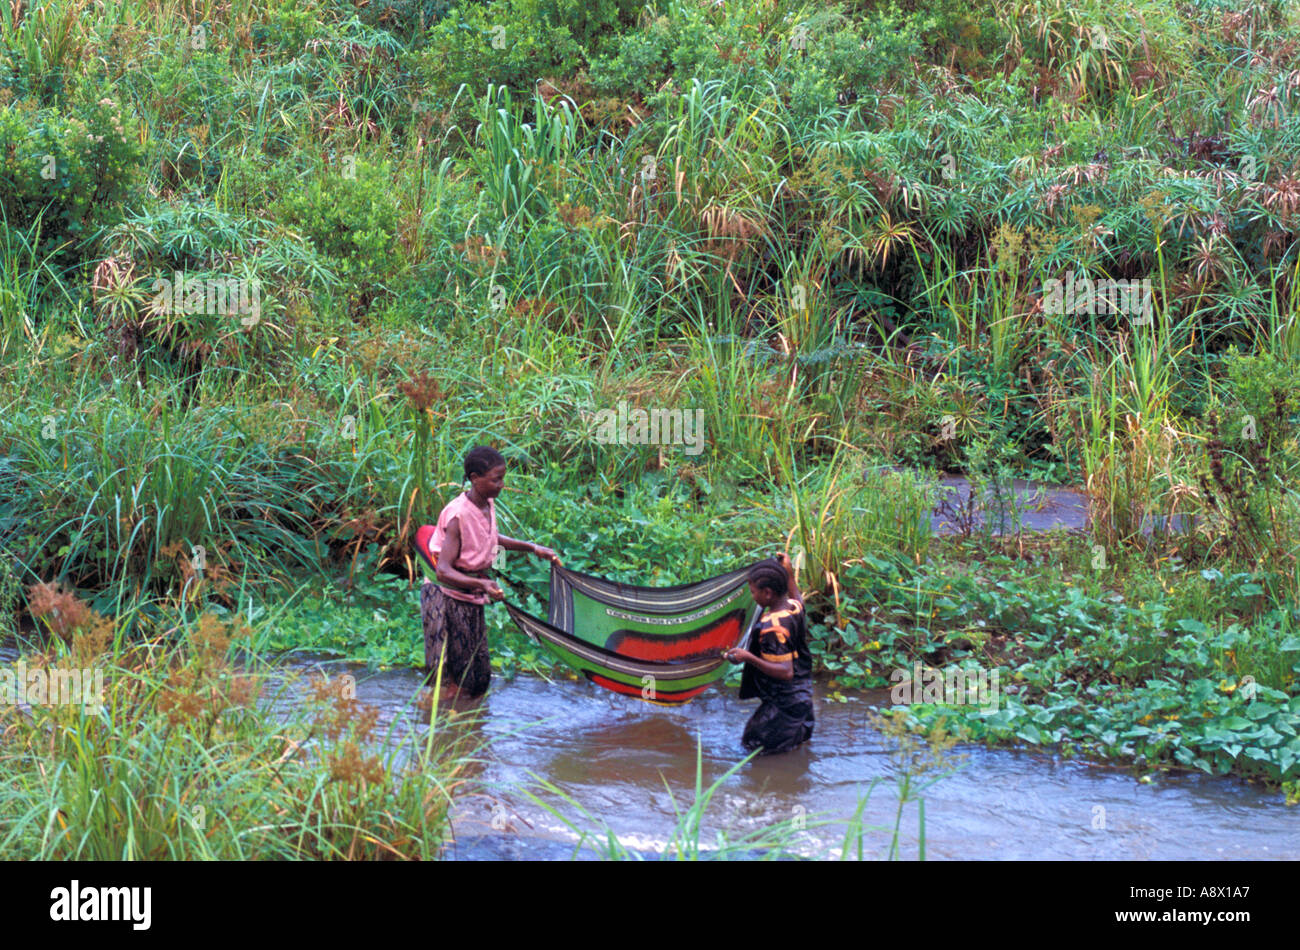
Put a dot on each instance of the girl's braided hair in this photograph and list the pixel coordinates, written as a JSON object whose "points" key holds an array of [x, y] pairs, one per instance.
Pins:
{"points": [[482, 459], [769, 573]]}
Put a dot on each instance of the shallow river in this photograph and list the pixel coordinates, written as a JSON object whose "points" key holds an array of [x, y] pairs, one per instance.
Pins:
{"points": [[613, 755], [626, 762]]}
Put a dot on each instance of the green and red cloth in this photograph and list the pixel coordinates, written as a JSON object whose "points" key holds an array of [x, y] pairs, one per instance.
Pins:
{"points": [[660, 644]]}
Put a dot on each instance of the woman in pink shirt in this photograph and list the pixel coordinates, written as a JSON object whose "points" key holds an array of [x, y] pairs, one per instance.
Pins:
{"points": [[463, 546]]}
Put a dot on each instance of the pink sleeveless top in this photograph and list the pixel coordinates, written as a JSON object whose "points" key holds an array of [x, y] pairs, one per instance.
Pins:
{"points": [[478, 541]]}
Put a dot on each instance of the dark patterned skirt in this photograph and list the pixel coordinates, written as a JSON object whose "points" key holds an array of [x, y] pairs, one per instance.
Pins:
{"points": [[774, 728], [461, 626]]}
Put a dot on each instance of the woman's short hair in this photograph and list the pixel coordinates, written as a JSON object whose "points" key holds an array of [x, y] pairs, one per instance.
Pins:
{"points": [[482, 459]]}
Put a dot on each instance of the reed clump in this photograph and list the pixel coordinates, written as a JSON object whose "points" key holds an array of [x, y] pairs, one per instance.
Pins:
{"points": [[192, 752]]}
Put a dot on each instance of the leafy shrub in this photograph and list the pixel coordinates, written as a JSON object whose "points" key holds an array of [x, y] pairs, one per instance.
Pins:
{"points": [[681, 40], [1252, 456], [289, 24], [79, 169], [1266, 389], [591, 23], [352, 220], [515, 42], [264, 266], [818, 56]]}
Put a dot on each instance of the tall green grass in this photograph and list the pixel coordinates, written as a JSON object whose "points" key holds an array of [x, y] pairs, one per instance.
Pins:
{"points": [[835, 513], [195, 757], [29, 285]]}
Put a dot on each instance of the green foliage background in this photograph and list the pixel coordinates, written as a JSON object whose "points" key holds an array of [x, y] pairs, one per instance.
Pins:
{"points": [[828, 227]]}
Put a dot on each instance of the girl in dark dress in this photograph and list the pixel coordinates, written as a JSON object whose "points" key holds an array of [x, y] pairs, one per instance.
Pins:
{"points": [[778, 667]]}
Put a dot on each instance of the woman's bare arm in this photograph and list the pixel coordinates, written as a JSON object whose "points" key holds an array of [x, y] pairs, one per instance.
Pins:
{"points": [[794, 593], [514, 544], [783, 670]]}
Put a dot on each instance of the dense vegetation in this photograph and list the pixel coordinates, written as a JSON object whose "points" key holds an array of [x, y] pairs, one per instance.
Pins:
{"points": [[180, 760], [839, 231]]}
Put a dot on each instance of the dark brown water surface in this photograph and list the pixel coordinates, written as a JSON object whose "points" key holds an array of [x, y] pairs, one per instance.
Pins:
{"points": [[626, 762]]}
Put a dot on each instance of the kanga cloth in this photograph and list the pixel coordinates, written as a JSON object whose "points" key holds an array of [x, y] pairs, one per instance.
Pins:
{"points": [[663, 645], [461, 626], [784, 719]]}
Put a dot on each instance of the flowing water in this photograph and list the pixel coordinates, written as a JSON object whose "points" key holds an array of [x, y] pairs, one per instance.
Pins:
{"points": [[627, 762], [630, 765], [1026, 504]]}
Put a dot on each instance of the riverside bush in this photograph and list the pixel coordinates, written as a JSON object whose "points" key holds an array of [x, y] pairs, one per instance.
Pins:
{"points": [[351, 219], [190, 758], [75, 170], [514, 42]]}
